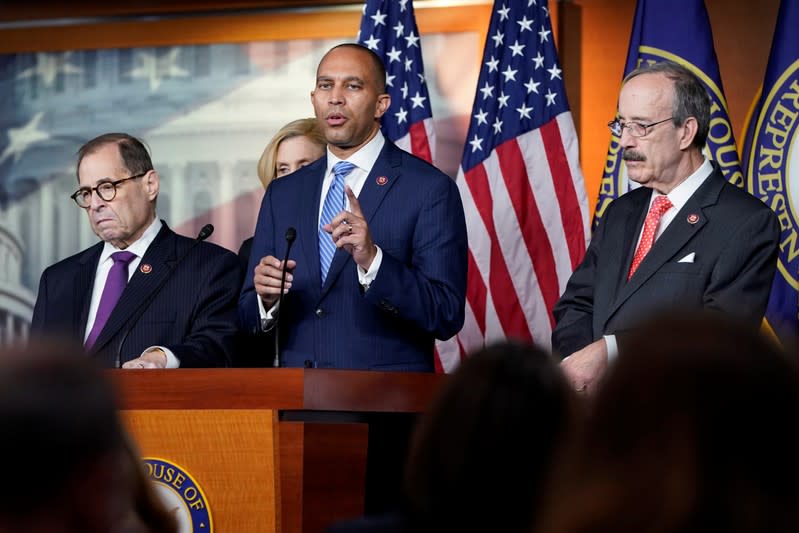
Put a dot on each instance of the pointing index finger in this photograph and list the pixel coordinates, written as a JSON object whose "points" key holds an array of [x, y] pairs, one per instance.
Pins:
{"points": [[355, 206]]}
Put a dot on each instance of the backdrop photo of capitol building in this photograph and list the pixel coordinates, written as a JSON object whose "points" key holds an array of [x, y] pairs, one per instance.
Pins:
{"points": [[205, 111]]}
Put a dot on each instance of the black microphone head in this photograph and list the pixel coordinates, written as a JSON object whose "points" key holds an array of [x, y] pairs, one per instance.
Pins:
{"points": [[291, 234], [206, 232]]}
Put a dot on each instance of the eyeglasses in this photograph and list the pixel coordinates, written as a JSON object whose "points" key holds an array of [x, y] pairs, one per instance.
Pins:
{"points": [[106, 190], [636, 129]]}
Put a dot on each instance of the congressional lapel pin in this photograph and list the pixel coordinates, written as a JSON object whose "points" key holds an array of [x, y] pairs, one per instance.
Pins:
{"points": [[145, 268], [381, 180], [693, 218]]}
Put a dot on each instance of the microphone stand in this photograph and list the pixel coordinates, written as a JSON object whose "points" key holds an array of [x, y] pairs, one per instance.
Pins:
{"points": [[291, 234]]}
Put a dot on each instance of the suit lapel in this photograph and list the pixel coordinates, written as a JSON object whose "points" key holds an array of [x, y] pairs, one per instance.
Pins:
{"points": [[161, 257], [630, 240], [676, 236], [384, 174], [82, 288], [618, 240], [309, 219]]}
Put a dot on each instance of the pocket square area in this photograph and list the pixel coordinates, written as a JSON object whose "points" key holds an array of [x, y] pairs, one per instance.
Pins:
{"points": [[688, 258]]}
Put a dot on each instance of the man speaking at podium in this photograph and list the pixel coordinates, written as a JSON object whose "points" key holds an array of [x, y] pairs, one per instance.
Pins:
{"points": [[145, 297], [378, 270], [686, 239]]}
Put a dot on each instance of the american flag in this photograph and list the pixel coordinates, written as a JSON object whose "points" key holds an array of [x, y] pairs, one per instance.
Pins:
{"points": [[388, 27], [521, 184]]}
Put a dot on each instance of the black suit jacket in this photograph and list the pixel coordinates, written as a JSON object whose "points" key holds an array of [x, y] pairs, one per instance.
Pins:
{"points": [[734, 237], [188, 306]]}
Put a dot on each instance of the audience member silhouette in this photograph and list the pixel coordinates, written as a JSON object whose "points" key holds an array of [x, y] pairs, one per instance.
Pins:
{"points": [[149, 514], [68, 463], [690, 432], [480, 457]]}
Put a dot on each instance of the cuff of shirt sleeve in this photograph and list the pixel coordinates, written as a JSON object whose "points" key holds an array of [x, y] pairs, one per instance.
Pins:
{"points": [[366, 277], [613, 348], [267, 316], [171, 359]]}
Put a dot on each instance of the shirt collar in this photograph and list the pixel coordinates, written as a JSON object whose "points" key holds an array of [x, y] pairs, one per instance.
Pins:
{"points": [[364, 158], [682, 192], [139, 246]]}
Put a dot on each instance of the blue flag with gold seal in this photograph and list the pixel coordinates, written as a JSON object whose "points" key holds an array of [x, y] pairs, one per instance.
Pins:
{"points": [[678, 31], [771, 162]]}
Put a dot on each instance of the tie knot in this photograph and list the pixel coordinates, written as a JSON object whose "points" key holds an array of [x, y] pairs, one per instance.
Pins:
{"points": [[342, 169], [123, 257], [661, 204]]}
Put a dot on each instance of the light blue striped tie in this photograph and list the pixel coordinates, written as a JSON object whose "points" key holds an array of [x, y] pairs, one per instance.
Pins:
{"points": [[334, 204]]}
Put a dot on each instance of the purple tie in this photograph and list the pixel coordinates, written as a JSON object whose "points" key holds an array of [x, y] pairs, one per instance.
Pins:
{"points": [[114, 285]]}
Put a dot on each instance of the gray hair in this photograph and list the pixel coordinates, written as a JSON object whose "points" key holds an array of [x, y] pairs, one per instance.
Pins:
{"points": [[690, 96]]}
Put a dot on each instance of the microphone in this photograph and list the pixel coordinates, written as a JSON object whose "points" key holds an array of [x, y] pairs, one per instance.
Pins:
{"points": [[205, 232], [291, 234]]}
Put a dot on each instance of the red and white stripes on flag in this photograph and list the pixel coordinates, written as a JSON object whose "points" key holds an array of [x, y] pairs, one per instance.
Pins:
{"points": [[521, 185], [388, 28], [420, 140]]}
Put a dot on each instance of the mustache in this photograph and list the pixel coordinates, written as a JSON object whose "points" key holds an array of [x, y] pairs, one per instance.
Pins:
{"points": [[632, 155]]}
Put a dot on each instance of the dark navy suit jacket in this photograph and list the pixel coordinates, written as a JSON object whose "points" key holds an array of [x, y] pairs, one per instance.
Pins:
{"points": [[734, 238], [193, 313], [415, 215]]}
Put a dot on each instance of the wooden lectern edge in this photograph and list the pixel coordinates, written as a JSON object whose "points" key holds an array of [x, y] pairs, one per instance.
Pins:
{"points": [[276, 388], [369, 391]]}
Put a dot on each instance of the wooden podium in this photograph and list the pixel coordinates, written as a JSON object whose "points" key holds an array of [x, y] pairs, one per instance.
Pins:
{"points": [[281, 449]]}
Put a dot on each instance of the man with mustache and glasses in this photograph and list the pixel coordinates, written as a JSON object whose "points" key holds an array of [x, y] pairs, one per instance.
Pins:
{"points": [[378, 269], [143, 297], [686, 239]]}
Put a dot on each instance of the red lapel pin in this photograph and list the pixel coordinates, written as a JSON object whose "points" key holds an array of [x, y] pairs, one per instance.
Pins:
{"points": [[145, 268], [693, 218], [381, 180]]}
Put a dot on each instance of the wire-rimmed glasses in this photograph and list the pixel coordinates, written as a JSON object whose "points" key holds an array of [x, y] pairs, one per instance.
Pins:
{"points": [[636, 129]]}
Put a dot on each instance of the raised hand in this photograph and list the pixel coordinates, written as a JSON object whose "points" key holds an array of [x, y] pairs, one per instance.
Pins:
{"points": [[350, 231]]}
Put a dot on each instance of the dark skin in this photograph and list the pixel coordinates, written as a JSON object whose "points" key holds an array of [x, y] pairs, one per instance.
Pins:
{"points": [[348, 101]]}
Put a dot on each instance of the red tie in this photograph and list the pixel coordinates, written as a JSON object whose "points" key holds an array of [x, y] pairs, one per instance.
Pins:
{"points": [[659, 206]]}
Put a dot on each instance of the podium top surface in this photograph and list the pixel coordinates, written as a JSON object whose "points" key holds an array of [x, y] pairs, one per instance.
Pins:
{"points": [[276, 388]]}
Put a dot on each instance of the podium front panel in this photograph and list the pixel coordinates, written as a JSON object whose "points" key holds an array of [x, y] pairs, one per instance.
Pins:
{"points": [[232, 454]]}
